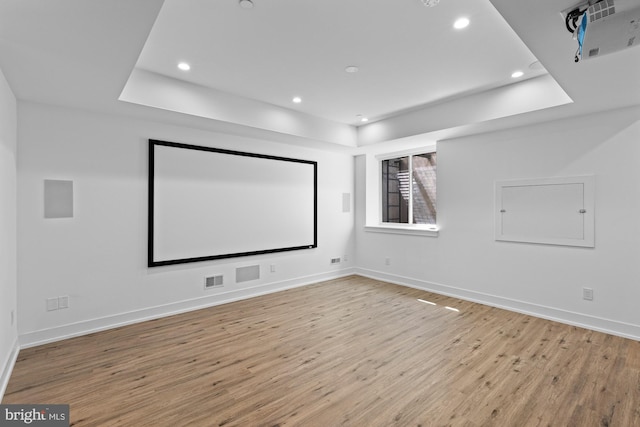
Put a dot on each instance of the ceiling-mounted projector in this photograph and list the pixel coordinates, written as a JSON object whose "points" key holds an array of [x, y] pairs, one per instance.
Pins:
{"points": [[611, 25]]}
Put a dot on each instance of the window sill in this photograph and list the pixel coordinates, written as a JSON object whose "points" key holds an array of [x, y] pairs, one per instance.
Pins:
{"points": [[412, 230]]}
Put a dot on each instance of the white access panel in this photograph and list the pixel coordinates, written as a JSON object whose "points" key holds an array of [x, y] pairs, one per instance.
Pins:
{"points": [[556, 211]]}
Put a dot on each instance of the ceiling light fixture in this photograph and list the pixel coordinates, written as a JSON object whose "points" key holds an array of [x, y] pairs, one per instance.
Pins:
{"points": [[430, 3], [517, 74], [246, 4], [351, 69], [461, 23], [296, 100], [184, 66]]}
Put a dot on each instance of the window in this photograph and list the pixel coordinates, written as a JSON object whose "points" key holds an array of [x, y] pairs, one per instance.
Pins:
{"points": [[409, 189]]}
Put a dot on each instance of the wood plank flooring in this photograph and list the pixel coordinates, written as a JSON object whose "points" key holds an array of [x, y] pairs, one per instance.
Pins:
{"points": [[347, 352]]}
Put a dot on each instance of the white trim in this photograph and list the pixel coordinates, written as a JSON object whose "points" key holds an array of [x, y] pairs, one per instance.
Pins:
{"points": [[599, 324], [613, 327], [427, 148], [403, 228], [411, 195], [44, 336], [7, 369], [408, 229]]}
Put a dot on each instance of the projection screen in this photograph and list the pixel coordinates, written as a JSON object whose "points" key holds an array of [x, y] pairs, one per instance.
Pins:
{"points": [[208, 203]]}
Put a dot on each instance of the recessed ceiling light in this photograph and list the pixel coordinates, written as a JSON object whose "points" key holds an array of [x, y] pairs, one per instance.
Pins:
{"points": [[364, 119], [184, 66], [296, 100], [351, 69], [517, 74], [246, 4], [461, 23]]}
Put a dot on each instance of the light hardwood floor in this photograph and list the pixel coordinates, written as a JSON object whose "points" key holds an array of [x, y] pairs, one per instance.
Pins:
{"points": [[352, 352]]}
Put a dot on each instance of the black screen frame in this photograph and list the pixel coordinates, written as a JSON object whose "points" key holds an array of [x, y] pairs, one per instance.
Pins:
{"points": [[151, 262]]}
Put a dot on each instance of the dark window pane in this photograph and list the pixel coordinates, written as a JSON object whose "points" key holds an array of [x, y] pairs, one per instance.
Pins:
{"points": [[395, 190]]}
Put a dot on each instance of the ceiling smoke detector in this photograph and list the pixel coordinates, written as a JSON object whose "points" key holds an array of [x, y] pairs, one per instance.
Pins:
{"points": [[430, 3]]}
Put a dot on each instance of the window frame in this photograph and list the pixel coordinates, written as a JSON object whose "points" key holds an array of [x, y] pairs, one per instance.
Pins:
{"points": [[401, 228]]}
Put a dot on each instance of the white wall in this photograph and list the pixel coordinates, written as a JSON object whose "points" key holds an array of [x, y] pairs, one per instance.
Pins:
{"points": [[98, 257], [466, 261], [8, 269]]}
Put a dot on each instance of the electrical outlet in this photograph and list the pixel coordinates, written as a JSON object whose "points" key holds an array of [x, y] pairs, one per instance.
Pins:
{"points": [[387, 261], [587, 294], [345, 258], [273, 268], [13, 317], [52, 304], [63, 302]]}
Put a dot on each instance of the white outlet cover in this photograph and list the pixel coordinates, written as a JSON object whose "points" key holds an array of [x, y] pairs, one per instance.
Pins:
{"points": [[63, 302], [52, 304]]}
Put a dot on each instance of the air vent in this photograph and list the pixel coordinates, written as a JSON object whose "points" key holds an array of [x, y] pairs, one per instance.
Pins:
{"points": [[335, 260], [213, 282], [600, 10], [245, 274]]}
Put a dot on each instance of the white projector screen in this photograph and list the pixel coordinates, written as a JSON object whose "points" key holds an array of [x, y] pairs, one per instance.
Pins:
{"points": [[207, 203]]}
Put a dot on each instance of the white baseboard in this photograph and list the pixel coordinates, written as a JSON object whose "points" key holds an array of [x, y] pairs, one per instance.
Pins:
{"points": [[58, 333], [608, 326], [5, 373], [44, 336]]}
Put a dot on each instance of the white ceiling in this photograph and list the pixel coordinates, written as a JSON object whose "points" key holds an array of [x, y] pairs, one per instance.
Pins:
{"points": [[407, 54], [417, 75]]}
